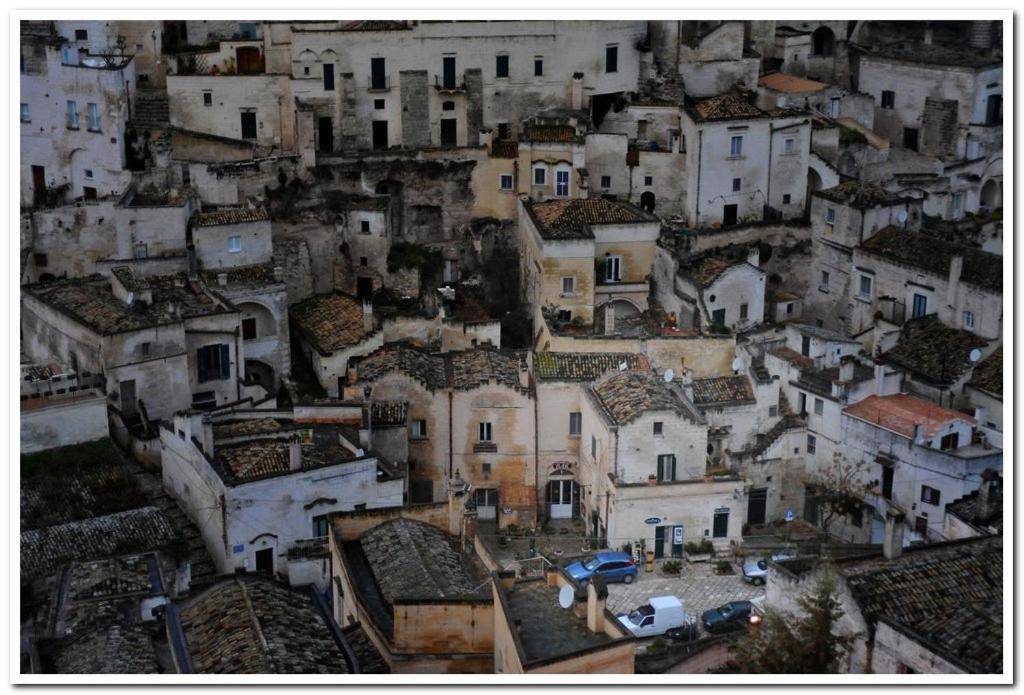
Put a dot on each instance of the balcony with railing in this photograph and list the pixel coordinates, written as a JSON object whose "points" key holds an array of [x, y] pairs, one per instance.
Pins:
{"points": [[450, 84]]}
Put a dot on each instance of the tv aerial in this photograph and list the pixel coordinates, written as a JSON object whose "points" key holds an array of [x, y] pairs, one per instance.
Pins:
{"points": [[566, 597]]}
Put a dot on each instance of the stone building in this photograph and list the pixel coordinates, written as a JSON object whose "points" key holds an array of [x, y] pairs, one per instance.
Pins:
{"points": [[644, 470], [273, 476], [743, 164], [579, 255], [74, 111]]}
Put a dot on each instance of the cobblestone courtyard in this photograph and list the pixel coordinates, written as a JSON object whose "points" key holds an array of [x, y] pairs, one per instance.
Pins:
{"points": [[698, 587]]}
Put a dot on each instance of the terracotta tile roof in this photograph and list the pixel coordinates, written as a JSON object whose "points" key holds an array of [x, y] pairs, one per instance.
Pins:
{"points": [[549, 133], [91, 303], [572, 218], [902, 412], [263, 425], [427, 369], [104, 640], [44, 550], [250, 624], [725, 107], [988, 375], [933, 351], [625, 396], [860, 194], [505, 149], [254, 460], [129, 278], [258, 274], [231, 216], [781, 82], [472, 368], [949, 596], [730, 390], [414, 560], [932, 253], [329, 321], [583, 366], [793, 357]]}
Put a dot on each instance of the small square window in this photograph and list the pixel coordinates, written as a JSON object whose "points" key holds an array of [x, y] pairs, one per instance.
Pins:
{"points": [[743, 312], [305, 70], [888, 99], [789, 146], [538, 66], [505, 182], [234, 244], [569, 285], [26, 117], [88, 173], [773, 411], [648, 180], [736, 146], [485, 468], [485, 431], [830, 215], [503, 131], [249, 328], [659, 429], [968, 319], [364, 227], [540, 176], [40, 259], [786, 197], [812, 444], [819, 406], [823, 285], [207, 98], [736, 184], [564, 315], [419, 429], [81, 35], [363, 261], [930, 495], [865, 287], [606, 182], [378, 104], [501, 66], [575, 424]]}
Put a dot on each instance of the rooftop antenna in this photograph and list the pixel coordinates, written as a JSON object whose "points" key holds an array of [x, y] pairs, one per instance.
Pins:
{"points": [[566, 596], [669, 376]]}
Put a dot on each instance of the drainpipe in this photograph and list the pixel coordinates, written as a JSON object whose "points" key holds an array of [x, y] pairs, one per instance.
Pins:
{"points": [[536, 447], [451, 454], [700, 151]]}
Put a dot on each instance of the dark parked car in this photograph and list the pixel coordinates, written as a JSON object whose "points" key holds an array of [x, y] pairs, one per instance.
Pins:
{"points": [[614, 567], [731, 616]]}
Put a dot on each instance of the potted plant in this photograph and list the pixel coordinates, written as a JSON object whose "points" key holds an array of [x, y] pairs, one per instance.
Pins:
{"points": [[699, 552], [724, 567], [671, 568]]}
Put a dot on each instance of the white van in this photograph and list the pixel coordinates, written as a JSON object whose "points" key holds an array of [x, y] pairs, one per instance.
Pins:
{"points": [[660, 615]]}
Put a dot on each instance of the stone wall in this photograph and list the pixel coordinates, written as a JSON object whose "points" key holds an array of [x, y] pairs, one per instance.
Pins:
{"points": [[415, 108]]}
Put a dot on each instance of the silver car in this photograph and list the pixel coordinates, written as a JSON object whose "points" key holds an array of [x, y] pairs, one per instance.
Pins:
{"points": [[755, 570]]}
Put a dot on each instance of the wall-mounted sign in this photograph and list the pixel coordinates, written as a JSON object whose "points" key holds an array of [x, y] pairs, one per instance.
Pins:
{"points": [[238, 549], [677, 535], [507, 511], [653, 520], [790, 515]]}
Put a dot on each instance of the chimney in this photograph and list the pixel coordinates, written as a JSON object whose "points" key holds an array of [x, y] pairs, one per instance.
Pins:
{"points": [[981, 415], [609, 318], [919, 437], [278, 273], [577, 91], [294, 454], [367, 316], [597, 597], [893, 544], [486, 138], [754, 256], [846, 365], [222, 279], [956, 265]]}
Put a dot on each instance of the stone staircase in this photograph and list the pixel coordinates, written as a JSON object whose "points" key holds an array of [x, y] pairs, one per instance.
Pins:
{"points": [[151, 107], [203, 569], [760, 371]]}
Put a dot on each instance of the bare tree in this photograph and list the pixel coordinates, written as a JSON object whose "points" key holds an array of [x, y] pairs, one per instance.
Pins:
{"points": [[840, 491]]}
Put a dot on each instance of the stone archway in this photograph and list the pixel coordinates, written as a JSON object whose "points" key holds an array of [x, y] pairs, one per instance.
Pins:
{"points": [[823, 42], [992, 195], [260, 372], [647, 201]]}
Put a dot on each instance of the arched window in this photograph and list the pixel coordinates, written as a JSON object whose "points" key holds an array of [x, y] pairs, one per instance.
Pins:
{"points": [[448, 106]]}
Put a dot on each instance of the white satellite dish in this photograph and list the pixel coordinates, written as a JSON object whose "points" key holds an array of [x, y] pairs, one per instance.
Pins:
{"points": [[669, 376], [623, 366], [737, 364], [975, 355], [566, 597], [901, 216]]}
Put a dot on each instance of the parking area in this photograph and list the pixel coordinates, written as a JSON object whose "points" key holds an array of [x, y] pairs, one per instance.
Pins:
{"points": [[698, 587]]}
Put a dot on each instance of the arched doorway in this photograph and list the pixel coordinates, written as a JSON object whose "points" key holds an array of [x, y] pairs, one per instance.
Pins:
{"points": [[647, 201], [563, 492], [823, 42], [261, 373], [991, 195], [813, 184]]}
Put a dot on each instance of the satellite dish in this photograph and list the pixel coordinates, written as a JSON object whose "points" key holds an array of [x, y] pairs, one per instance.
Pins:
{"points": [[737, 364], [975, 355], [360, 453], [566, 597], [901, 216], [669, 376], [623, 366]]}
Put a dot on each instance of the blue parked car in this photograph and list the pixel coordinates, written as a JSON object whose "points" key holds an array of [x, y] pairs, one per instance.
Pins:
{"points": [[614, 567]]}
